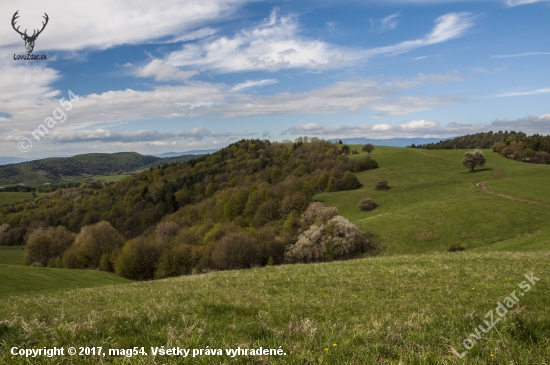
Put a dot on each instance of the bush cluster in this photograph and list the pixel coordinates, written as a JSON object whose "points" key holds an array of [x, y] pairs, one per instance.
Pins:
{"points": [[366, 205], [382, 185], [330, 237]]}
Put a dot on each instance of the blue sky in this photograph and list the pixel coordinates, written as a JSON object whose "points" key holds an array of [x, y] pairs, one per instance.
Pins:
{"points": [[167, 75]]}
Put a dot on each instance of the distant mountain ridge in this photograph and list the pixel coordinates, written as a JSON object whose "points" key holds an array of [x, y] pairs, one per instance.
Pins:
{"points": [[56, 169], [394, 142], [194, 152]]}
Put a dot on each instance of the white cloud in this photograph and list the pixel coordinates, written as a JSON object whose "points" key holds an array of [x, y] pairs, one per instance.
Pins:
{"points": [[270, 46], [523, 93], [447, 27], [530, 125], [526, 54], [208, 100], [419, 124], [106, 136], [163, 72], [385, 24], [101, 24], [480, 70], [381, 127], [512, 3], [276, 44], [253, 83]]}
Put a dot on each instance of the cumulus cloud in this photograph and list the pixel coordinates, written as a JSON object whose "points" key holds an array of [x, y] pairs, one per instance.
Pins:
{"points": [[106, 136], [419, 124], [530, 125], [277, 44], [423, 128], [209, 100]]}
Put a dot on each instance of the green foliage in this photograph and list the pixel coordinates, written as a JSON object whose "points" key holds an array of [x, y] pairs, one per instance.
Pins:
{"points": [[382, 186], [95, 247], [517, 146], [45, 247], [58, 169], [366, 205], [252, 191], [368, 148], [138, 259], [473, 158]]}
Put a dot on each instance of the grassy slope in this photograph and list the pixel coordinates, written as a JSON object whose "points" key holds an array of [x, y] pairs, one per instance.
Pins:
{"points": [[434, 203], [399, 309], [12, 255], [19, 279]]}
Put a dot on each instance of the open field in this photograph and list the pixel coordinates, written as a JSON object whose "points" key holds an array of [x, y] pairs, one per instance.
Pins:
{"points": [[13, 197], [434, 203], [20, 279], [106, 178], [407, 309], [12, 255]]}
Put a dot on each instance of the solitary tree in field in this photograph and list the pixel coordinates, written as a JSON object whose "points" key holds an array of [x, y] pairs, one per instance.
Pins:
{"points": [[368, 148], [473, 158]]}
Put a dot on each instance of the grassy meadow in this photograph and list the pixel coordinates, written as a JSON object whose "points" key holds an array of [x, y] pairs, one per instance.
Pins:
{"points": [[12, 255], [410, 305], [13, 197], [433, 202], [407, 309]]}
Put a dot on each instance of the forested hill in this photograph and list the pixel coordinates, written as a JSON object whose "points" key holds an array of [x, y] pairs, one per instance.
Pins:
{"points": [[536, 142], [252, 182], [55, 168], [513, 145]]}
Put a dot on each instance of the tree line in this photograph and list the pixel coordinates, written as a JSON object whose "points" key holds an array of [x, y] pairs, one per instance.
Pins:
{"points": [[513, 145]]}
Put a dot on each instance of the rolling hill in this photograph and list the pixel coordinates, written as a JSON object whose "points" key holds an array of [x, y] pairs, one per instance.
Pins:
{"points": [[59, 169]]}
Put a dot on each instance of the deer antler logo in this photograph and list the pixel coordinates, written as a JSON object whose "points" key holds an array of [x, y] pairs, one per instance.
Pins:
{"points": [[29, 40]]}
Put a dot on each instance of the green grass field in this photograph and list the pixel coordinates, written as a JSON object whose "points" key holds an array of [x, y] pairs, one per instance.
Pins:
{"points": [[434, 203], [11, 198], [410, 305], [12, 255], [408, 309], [106, 178], [19, 279]]}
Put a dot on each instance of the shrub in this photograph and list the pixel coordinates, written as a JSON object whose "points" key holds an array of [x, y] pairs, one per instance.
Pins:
{"points": [[166, 230], [317, 213], [455, 247], [366, 205], [363, 164], [382, 185], [235, 251], [46, 246], [138, 259], [473, 158], [337, 239], [91, 244]]}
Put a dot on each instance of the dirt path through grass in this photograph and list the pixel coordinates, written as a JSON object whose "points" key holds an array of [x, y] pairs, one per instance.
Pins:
{"points": [[481, 185]]}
